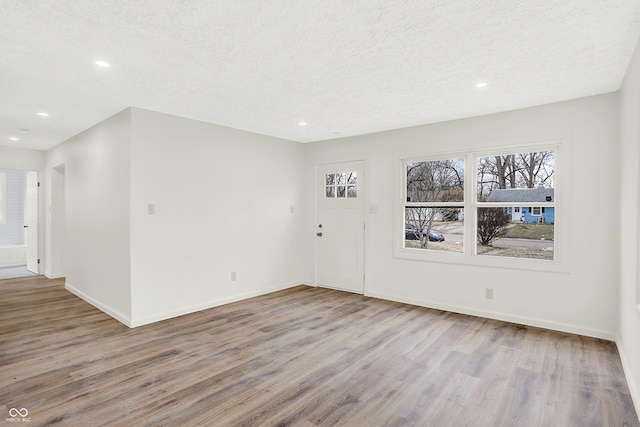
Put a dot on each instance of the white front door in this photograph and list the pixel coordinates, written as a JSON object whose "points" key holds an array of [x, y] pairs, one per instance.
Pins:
{"points": [[516, 214], [340, 226], [31, 219]]}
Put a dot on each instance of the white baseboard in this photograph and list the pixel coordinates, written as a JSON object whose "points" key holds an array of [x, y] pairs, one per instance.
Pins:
{"points": [[633, 387], [135, 322], [97, 304], [539, 323], [50, 275]]}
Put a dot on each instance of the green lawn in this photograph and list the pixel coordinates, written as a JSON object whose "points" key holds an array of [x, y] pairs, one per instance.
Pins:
{"points": [[530, 231]]}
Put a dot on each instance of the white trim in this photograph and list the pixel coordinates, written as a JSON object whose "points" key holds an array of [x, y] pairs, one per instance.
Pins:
{"points": [[135, 322], [633, 387], [3, 197], [538, 323], [50, 275], [100, 306]]}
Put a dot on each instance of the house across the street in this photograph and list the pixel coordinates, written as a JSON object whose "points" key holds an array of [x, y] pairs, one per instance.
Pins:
{"points": [[527, 213]]}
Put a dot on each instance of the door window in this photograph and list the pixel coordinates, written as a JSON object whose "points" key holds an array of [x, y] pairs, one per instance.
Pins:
{"points": [[342, 185]]}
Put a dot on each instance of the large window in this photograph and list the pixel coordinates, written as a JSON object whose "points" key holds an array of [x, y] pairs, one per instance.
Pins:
{"points": [[516, 205], [434, 207], [508, 196]]}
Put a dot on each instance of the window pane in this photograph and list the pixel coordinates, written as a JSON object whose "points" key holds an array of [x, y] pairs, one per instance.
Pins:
{"points": [[434, 228], [501, 234], [330, 192], [352, 178], [329, 179], [352, 192], [435, 181], [520, 177], [341, 178], [341, 191]]}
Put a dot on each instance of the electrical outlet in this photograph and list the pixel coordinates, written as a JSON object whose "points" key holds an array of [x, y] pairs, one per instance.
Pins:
{"points": [[488, 293], [233, 276]]}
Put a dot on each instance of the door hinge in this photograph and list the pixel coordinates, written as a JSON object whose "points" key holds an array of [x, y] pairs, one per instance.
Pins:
{"points": [[38, 260], [38, 183]]}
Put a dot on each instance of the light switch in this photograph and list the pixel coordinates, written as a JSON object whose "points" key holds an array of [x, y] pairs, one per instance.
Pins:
{"points": [[151, 208]]}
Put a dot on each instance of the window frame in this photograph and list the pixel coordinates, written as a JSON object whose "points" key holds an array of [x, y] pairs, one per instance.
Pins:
{"points": [[406, 204], [469, 255]]}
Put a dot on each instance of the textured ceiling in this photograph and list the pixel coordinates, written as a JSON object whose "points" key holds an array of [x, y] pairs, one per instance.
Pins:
{"points": [[346, 67]]}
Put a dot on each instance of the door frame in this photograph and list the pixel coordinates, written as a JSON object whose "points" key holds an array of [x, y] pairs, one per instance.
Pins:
{"points": [[34, 266], [362, 190]]}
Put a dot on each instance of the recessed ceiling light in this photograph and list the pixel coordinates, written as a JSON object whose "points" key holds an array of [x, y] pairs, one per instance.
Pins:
{"points": [[482, 84], [13, 138], [302, 124], [102, 64], [43, 114]]}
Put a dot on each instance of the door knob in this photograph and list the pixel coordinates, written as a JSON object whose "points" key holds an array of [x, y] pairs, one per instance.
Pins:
{"points": [[319, 234]]}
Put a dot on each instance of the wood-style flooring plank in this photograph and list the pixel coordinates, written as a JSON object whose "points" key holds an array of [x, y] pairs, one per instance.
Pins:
{"points": [[302, 357]]}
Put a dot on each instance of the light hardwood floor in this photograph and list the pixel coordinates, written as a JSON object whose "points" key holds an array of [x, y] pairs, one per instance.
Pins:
{"points": [[303, 356]]}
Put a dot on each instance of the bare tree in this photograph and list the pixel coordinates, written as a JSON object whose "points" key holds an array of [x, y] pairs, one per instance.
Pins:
{"points": [[523, 170], [419, 222], [536, 168], [429, 182]]}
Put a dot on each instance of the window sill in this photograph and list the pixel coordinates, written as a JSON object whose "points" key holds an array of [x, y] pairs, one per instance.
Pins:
{"points": [[506, 263]]}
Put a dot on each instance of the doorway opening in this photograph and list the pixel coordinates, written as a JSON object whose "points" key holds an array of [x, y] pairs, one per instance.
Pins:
{"points": [[18, 223]]}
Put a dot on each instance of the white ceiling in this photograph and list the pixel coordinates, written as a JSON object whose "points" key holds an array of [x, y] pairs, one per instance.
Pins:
{"points": [[346, 67]]}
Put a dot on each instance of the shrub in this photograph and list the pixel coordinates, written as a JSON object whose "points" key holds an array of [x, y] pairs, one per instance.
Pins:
{"points": [[492, 223]]}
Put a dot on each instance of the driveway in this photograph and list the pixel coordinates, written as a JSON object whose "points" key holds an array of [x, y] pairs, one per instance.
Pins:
{"points": [[453, 232], [508, 243]]}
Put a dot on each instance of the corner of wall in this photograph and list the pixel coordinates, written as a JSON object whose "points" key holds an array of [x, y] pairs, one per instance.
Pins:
{"points": [[122, 318]]}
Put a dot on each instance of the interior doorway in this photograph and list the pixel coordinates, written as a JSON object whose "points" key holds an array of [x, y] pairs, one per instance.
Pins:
{"points": [[19, 220]]}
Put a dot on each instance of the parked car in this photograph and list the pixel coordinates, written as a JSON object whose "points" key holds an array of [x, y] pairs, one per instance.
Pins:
{"points": [[411, 233]]}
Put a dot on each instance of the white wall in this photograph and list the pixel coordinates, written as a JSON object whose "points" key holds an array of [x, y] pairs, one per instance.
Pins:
{"points": [[21, 158], [97, 263], [56, 222], [223, 201], [581, 299], [629, 212]]}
